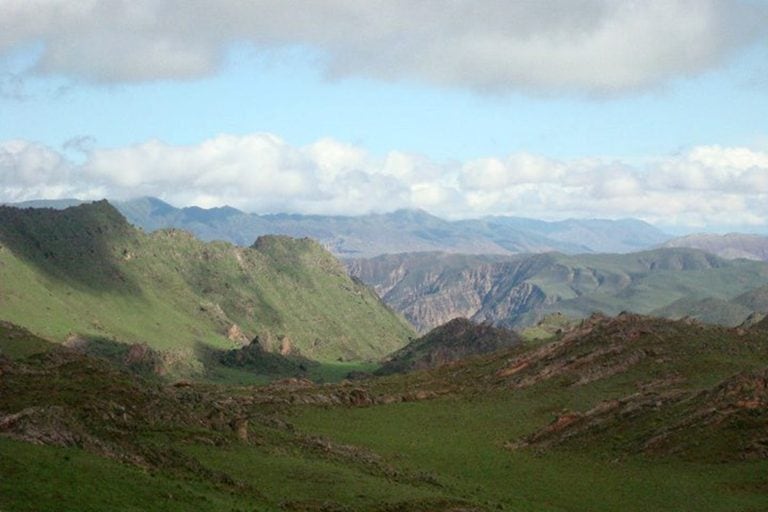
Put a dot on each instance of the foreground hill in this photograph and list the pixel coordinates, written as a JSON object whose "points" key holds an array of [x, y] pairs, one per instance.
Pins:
{"points": [[457, 339], [655, 414], [395, 232], [516, 291], [84, 273], [730, 246]]}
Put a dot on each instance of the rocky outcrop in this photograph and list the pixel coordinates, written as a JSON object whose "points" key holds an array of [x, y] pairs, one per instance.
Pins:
{"points": [[723, 423], [236, 335]]}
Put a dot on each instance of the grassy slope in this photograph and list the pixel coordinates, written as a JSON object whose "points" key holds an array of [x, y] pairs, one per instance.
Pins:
{"points": [[642, 282], [434, 452], [462, 437], [86, 271], [177, 445], [463, 442]]}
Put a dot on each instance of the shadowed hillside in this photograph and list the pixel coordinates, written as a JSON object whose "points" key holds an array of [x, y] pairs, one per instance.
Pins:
{"points": [[457, 339], [75, 245]]}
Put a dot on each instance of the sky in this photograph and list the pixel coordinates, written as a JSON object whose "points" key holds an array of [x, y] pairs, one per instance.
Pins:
{"points": [[551, 109]]}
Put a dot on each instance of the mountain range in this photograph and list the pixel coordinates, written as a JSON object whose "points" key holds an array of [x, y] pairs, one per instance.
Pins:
{"points": [[519, 290], [395, 232], [730, 246], [516, 281]]}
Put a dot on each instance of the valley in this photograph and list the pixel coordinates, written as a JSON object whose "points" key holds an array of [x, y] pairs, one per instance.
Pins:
{"points": [[598, 419], [182, 374]]}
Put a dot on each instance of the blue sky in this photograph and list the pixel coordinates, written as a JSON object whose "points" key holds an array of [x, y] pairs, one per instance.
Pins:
{"points": [[552, 109]]}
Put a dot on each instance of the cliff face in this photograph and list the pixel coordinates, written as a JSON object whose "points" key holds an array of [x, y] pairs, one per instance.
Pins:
{"points": [[431, 289], [517, 291]]}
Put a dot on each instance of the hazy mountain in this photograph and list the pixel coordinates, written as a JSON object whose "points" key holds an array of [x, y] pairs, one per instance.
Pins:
{"points": [[56, 204], [731, 246], [395, 232], [515, 291], [401, 231], [85, 273], [571, 235], [709, 310]]}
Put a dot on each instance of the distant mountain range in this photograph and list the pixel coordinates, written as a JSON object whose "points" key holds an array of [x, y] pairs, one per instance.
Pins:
{"points": [[730, 246], [519, 290], [396, 232]]}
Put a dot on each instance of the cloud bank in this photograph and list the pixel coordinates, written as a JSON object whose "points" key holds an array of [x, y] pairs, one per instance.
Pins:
{"points": [[543, 46], [705, 186]]}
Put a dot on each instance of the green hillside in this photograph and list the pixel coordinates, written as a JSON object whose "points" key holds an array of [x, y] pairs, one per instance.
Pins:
{"points": [[655, 414], [85, 273]]}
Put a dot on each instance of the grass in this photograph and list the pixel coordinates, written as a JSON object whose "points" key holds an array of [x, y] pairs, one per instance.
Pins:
{"points": [[35, 478], [463, 443], [295, 476], [406, 456], [84, 271]]}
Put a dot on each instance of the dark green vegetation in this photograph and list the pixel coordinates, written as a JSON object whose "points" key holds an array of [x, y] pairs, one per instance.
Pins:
{"points": [[84, 276], [454, 340], [626, 413], [400, 231], [518, 291]]}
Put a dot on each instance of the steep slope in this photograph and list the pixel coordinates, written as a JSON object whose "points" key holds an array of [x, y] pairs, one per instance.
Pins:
{"points": [[730, 246], [84, 272], [457, 339], [517, 291]]}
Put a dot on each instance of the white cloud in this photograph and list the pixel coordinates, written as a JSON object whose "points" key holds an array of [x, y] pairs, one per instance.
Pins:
{"points": [[592, 46], [706, 186]]}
